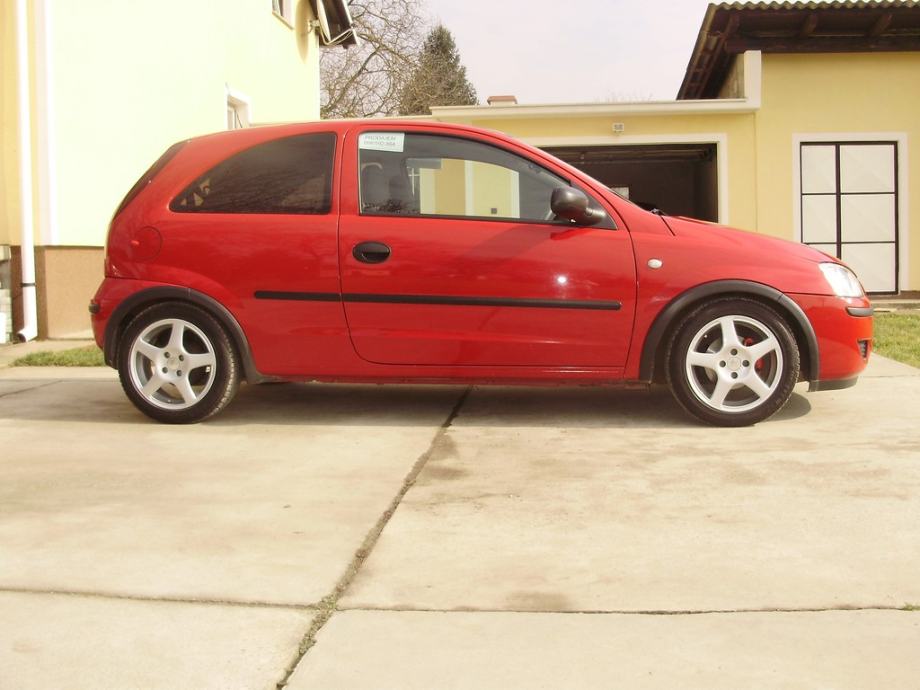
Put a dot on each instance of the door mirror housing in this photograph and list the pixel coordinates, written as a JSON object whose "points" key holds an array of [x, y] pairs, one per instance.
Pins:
{"points": [[572, 204]]}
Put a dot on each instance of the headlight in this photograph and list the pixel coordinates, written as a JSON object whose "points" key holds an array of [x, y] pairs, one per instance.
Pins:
{"points": [[842, 280]]}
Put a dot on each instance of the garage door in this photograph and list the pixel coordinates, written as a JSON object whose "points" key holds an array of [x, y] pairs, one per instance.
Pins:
{"points": [[849, 207], [679, 179]]}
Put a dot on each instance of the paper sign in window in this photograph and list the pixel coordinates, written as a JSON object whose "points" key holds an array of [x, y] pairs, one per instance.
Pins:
{"points": [[382, 141]]}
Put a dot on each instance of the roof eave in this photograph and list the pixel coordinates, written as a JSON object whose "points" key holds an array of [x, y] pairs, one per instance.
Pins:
{"points": [[847, 26], [547, 110], [697, 50]]}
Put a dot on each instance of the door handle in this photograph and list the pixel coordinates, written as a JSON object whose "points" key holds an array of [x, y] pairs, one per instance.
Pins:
{"points": [[371, 252]]}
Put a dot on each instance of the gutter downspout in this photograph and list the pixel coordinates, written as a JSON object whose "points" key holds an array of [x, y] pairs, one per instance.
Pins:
{"points": [[27, 221]]}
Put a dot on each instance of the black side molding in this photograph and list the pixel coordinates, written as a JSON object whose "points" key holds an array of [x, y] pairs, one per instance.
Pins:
{"points": [[457, 300], [298, 296], [160, 294], [860, 311], [715, 289], [447, 300]]}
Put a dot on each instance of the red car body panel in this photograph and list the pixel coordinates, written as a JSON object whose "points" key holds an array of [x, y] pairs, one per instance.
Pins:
{"points": [[344, 328], [837, 331], [464, 258]]}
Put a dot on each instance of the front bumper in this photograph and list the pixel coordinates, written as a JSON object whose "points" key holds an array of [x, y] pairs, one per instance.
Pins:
{"points": [[832, 384], [843, 328]]}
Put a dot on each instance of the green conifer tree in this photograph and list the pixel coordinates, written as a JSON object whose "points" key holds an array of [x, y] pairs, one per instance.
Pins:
{"points": [[439, 78]]}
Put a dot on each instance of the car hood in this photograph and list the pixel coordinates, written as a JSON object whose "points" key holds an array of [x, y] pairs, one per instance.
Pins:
{"points": [[764, 246]]}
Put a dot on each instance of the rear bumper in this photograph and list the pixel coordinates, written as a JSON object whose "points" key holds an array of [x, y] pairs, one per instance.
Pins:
{"points": [[111, 293], [843, 329]]}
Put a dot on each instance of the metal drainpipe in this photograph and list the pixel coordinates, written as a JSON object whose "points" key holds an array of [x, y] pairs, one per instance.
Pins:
{"points": [[27, 221]]}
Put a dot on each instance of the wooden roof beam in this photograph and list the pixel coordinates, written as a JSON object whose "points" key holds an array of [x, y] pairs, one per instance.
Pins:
{"points": [[731, 26], [822, 44], [882, 23], [808, 26]]}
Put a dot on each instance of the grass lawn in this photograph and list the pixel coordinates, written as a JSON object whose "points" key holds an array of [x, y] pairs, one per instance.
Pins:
{"points": [[90, 356], [897, 335]]}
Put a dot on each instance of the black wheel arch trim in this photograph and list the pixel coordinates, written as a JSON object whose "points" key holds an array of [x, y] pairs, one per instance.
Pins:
{"points": [[163, 293], [719, 288]]}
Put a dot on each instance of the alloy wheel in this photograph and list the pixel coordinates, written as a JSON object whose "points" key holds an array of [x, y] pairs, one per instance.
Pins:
{"points": [[172, 364], [734, 364]]}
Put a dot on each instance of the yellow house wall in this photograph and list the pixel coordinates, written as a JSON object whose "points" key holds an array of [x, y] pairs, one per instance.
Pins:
{"points": [[444, 191], [129, 79], [835, 93], [9, 129], [449, 188], [492, 189]]}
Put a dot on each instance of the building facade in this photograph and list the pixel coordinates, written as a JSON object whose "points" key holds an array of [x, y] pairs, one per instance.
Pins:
{"points": [[93, 92], [798, 120]]}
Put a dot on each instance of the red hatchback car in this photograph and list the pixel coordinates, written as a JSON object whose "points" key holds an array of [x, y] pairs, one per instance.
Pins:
{"points": [[404, 251]]}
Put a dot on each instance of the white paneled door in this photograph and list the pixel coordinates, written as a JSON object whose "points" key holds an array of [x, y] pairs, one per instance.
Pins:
{"points": [[849, 206]]}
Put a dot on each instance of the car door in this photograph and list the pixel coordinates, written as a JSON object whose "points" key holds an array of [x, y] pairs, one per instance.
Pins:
{"points": [[449, 255]]}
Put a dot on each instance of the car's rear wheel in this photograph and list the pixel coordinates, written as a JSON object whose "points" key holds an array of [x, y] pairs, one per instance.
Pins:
{"points": [[177, 364], [733, 362]]}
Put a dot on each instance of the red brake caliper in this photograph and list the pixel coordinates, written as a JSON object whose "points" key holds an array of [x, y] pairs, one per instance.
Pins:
{"points": [[758, 365]]}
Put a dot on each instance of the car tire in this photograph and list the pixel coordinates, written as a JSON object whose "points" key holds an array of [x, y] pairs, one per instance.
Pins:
{"points": [[177, 363], [732, 362]]}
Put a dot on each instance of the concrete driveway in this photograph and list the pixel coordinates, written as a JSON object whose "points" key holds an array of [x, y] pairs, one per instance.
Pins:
{"points": [[434, 537]]}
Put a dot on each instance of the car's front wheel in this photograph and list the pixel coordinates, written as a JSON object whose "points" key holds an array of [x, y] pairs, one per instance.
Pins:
{"points": [[177, 364], [733, 362]]}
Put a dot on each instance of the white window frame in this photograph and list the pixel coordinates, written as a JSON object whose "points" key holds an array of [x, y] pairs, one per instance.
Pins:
{"points": [[900, 139], [242, 104], [284, 10]]}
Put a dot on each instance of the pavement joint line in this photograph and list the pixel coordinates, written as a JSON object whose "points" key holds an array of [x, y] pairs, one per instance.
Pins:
{"points": [[163, 600], [329, 604], [31, 388], [907, 608]]}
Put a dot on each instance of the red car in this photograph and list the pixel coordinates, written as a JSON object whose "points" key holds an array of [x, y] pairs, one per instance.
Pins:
{"points": [[389, 251]]}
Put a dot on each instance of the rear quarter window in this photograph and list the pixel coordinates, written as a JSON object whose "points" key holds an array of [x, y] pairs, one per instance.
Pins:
{"points": [[292, 175], [148, 176]]}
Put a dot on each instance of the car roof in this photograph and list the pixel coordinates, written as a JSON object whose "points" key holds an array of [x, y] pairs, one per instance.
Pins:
{"points": [[269, 131]]}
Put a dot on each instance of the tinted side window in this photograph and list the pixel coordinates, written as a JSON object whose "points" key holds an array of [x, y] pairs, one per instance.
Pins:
{"points": [[290, 175], [423, 174]]}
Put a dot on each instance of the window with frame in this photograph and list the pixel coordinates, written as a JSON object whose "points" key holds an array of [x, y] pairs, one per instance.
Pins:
{"points": [[237, 113], [435, 175], [284, 9], [291, 175], [849, 206]]}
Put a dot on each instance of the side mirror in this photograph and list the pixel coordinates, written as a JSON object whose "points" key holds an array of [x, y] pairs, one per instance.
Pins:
{"points": [[572, 204]]}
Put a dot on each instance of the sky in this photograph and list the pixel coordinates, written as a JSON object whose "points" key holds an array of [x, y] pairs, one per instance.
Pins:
{"points": [[580, 51]]}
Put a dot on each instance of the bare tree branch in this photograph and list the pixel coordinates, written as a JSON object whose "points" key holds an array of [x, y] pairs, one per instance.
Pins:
{"points": [[365, 81]]}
